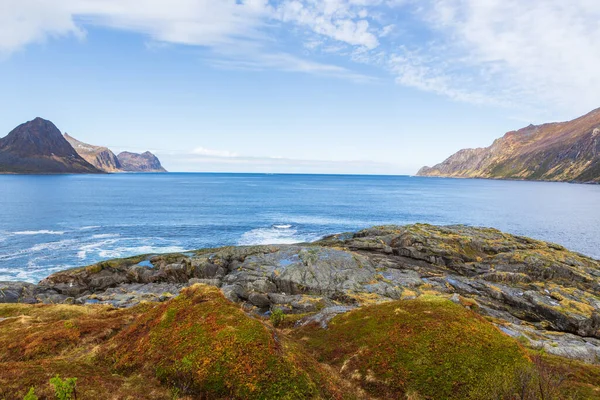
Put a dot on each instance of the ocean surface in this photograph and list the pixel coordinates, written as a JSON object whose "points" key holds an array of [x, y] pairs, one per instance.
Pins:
{"points": [[49, 223]]}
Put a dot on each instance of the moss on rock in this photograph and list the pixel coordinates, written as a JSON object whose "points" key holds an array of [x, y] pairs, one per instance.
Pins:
{"points": [[429, 346]]}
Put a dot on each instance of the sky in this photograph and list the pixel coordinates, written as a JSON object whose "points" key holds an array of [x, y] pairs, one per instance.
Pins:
{"points": [[297, 86]]}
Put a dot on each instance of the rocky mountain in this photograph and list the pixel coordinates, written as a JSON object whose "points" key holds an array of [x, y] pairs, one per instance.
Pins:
{"points": [[145, 162], [563, 151], [417, 311], [100, 157], [38, 147]]}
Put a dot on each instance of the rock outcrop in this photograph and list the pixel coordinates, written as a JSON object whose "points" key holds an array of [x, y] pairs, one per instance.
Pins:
{"points": [[100, 157], [145, 162], [565, 151], [538, 292], [38, 147]]}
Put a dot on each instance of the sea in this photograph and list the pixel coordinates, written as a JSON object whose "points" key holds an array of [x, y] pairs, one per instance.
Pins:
{"points": [[53, 222]]}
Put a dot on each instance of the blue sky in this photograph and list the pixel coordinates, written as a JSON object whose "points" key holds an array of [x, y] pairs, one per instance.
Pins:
{"points": [[334, 86]]}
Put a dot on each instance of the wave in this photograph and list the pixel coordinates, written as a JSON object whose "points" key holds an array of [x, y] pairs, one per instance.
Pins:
{"points": [[274, 235], [282, 226], [134, 251], [87, 228], [316, 219], [51, 245], [40, 232], [93, 247], [106, 235]]}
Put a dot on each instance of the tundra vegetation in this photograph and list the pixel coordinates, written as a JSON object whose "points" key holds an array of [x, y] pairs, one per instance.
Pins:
{"points": [[415, 312]]}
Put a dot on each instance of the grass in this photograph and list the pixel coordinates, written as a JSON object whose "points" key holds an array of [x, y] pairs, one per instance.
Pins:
{"points": [[199, 345], [428, 347], [40, 341]]}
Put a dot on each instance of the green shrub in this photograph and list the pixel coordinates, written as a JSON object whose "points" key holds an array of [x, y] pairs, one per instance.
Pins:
{"points": [[64, 389], [30, 395], [277, 317]]}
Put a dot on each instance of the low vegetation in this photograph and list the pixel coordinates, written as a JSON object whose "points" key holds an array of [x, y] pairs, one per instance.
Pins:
{"points": [[430, 347], [199, 345]]}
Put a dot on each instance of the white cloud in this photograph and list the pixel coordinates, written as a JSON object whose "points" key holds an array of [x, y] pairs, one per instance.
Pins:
{"points": [[346, 21], [197, 22], [430, 73], [202, 151], [541, 53], [538, 50], [217, 163], [285, 62], [26, 21], [233, 30]]}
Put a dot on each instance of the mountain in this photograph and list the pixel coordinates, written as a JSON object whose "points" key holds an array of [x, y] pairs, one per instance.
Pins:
{"points": [[100, 157], [104, 159], [562, 151], [145, 162], [38, 147]]}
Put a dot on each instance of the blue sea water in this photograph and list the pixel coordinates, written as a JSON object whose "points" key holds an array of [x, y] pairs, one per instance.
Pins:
{"points": [[49, 223]]}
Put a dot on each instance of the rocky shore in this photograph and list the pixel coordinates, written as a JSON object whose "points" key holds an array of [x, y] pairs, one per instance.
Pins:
{"points": [[539, 293]]}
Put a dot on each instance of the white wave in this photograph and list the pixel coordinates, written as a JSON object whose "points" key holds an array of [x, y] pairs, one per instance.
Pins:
{"points": [[282, 226], [61, 244], [94, 247], [87, 228], [106, 235], [274, 236], [132, 251], [40, 232], [314, 219]]}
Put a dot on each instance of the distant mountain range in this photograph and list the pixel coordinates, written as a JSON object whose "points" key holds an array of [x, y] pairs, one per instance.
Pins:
{"points": [[145, 162], [104, 159], [38, 147], [561, 151]]}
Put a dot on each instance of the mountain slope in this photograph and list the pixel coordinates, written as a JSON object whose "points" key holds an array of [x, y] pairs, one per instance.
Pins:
{"points": [[100, 157], [145, 162], [564, 151], [38, 147]]}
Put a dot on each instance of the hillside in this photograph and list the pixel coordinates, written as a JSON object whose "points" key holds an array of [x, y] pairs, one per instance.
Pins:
{"points": [[564, 151], [100, 157], [418, 312], [145, 162], [38, 147]]}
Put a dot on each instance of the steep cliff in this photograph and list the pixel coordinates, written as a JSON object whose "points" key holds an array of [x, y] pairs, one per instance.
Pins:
{"points": [[100, 157]]}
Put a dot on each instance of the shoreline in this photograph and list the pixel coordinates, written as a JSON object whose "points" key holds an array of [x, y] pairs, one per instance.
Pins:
{"points": [[498, 275]]}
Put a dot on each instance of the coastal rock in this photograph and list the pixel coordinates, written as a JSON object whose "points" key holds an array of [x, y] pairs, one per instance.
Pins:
{"points": [[511, 279], [17, 292]]}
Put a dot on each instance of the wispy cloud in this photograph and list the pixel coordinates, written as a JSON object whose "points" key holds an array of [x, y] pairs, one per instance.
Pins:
{"points": [[508, 53], [235, 31], [209, 160], [535, 52], [203, 151]]}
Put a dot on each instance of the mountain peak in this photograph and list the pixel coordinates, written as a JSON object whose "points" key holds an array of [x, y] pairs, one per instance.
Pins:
{"points": [[145, 162], [38, 136], [37, 146]]}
